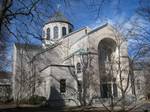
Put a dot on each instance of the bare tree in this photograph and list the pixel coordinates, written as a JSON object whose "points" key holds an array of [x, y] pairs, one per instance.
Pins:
{"points": [[140, 35], [26, 78]]}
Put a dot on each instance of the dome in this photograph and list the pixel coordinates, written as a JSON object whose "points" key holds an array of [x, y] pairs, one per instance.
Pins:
{"points": [[58, 17], [56, 28]]}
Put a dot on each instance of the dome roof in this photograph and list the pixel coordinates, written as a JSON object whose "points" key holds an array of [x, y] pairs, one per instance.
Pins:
{"points": [[58, 17]]}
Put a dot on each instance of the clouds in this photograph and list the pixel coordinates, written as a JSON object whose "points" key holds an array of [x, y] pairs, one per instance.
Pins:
{"points": [[113, 20]]}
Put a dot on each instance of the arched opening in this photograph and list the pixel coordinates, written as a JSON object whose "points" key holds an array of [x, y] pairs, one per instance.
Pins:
{"points": [[64, 31], [48, 33], [55, 32], [106, 54]]}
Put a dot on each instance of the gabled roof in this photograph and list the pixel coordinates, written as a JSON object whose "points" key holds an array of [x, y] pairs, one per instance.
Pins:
{"points": [[98, 28], [58, 17]]}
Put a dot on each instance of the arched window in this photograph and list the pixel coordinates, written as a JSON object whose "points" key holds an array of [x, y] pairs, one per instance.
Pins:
{"points": [[108, 86], [48, 33], [78, 68], [63, 31], [55, 32]]}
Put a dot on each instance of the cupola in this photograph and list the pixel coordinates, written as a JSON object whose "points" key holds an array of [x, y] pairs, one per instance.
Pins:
{"points": [[56, 28]]}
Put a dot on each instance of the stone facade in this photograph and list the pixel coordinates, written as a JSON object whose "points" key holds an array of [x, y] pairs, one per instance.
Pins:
{"points": [[74, 68], [5, 86]]}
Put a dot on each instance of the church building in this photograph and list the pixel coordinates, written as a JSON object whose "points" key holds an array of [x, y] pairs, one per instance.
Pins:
{"points": [[81, 67]]}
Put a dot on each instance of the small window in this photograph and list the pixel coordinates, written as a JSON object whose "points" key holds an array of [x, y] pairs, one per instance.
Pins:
{"points": [[55, 32], [48, 33], [63, 31], [78, 68], [79, 86], [63, 85]]}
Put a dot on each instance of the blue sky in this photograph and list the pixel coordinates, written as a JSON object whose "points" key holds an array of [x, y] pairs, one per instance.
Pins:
{"points": [[80, 13], [85, 12]]}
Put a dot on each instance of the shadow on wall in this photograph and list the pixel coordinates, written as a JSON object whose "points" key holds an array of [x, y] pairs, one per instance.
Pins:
{"points": [[55, 98]]}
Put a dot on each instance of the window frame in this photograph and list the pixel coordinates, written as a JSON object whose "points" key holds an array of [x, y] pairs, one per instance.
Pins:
{"points": [[48, 35], [108, 89], [64, 31]]}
